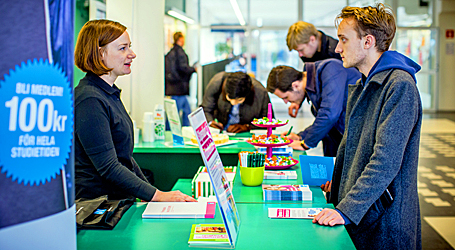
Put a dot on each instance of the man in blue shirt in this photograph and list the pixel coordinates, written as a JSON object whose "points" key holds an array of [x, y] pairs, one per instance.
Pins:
{"points": [[324, 84]]}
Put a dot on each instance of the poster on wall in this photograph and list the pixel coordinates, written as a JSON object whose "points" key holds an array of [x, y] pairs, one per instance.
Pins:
{"points": [[36, 125], [172, 25]]}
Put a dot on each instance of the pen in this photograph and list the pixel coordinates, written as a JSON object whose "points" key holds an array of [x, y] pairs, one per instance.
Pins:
{"points": [[216, 120], [289, 132]]}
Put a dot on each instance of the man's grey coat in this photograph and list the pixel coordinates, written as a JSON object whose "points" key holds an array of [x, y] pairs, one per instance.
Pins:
{"points": [[379, 151]]}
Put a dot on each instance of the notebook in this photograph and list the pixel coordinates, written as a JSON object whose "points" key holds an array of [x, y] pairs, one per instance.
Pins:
{"points": [[173, 210]]}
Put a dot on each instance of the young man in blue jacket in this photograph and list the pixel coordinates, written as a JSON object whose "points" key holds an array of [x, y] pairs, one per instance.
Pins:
{"points": [[374, 186], [312, 45], [324, 84]]}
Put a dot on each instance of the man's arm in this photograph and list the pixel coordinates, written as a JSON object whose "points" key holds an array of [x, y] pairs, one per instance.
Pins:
{"points": [[182, 63], [211, 95]]}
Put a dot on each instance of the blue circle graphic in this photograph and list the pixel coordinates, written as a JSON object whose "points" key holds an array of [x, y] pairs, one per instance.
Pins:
{"points": [[36, 122]]}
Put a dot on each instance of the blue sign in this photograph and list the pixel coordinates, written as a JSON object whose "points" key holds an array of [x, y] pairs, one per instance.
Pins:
{"points": [[316, 170], [37, 122]]}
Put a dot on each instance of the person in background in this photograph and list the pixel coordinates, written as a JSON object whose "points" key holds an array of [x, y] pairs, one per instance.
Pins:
{"points": [[177, 77], [325, 85], [312, 45], [232, 100], [374, 186], [103, 141]]}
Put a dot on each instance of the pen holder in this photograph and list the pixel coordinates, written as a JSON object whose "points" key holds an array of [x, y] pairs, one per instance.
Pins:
{"points": [[252, 176]]}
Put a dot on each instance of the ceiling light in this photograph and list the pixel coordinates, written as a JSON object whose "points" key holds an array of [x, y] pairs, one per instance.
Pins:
{"points": [[180, 15], [237, 11]]}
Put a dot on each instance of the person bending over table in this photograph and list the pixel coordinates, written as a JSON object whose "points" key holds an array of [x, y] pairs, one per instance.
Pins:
{"points": [[312, 45], [324, 84], [232, 100], [104, 163]]}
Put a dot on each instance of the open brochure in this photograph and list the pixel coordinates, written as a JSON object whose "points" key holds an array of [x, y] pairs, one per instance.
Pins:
{"points": [[294, 213], [276, 175]]}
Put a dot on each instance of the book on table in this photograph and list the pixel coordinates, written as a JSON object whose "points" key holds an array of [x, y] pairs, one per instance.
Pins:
{"points": [[293, 213], [276, 175], [208, 234], [286, 192], [200, 209], [316, 170]]}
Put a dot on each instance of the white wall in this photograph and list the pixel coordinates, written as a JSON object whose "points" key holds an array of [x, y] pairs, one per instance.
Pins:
{"points": [[192, 47], [446, 20], [144, 87]]}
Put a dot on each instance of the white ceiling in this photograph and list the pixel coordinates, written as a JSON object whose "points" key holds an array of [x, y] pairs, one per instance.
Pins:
{"points": [[272, 12]]}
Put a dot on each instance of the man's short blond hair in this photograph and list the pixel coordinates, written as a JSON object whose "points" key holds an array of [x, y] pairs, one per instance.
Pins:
{"points": [[300, 33]]}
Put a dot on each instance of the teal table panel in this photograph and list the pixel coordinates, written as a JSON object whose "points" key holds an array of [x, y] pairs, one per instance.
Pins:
{"points": [[184, 185], [257, 231], [167, 147]]}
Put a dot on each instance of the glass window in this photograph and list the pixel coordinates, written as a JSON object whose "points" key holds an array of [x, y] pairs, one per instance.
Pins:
{"points": [[218, 45], [273, 51], [420, 46], [322, 12], [273, 13], [413, 14]]}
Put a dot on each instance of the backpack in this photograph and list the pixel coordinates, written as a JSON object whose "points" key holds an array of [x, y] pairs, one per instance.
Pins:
{"points": [[170, 71]]}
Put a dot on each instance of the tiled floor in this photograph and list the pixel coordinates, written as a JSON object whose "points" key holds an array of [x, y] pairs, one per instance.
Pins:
{"points": [[436, 183]]}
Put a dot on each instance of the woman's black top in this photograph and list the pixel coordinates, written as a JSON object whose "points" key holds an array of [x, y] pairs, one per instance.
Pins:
{"points": [[104, 144]]}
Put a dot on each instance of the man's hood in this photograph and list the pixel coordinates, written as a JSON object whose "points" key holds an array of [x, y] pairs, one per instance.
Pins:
{"points": [[394, 60]]}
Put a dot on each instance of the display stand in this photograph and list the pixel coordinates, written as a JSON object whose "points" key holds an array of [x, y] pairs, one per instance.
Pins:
{"points": [[271, 146]]}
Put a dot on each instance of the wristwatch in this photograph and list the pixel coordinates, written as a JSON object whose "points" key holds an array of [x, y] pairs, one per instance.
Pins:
{"points": [[302, 143]]}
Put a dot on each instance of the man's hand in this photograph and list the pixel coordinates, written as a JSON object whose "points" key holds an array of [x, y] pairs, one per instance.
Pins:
{"points": [[296, 145], [172, 196], [237, 128], [293, 110], [291, 136], [217, 125], [327, 186], [328, 217]]}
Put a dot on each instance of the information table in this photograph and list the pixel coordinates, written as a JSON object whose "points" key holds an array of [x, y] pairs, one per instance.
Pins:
{"points": [[257, 231]]}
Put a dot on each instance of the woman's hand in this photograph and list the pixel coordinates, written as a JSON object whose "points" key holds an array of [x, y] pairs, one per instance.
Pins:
{"points": [[173, 196]]}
